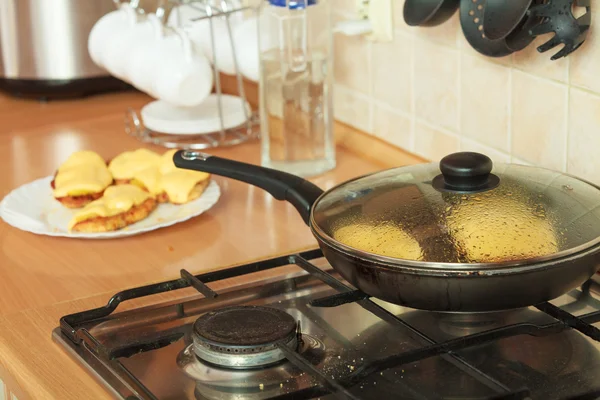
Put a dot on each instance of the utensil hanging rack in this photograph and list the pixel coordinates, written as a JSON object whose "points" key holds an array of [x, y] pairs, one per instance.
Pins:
{"points": [[249, 130]]}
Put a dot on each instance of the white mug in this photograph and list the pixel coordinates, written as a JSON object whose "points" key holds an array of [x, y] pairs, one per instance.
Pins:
{"points": [[246, 37], [142, 60], [119, 49], [183, 75], [222, 53], [110, 25], [247, 49]]}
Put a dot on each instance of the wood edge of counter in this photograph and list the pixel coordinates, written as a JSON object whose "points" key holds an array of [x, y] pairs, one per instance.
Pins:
{"points": [[12, 375]]}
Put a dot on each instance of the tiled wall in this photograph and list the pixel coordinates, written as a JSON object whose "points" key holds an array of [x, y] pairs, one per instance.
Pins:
{"points": [[429, 92]]}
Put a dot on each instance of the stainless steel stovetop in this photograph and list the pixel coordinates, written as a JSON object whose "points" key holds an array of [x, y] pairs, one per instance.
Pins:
{"points": [[341, 345]]}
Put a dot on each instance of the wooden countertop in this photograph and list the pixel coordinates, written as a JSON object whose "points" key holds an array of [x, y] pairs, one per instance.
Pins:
{"points": [[43, 278]]}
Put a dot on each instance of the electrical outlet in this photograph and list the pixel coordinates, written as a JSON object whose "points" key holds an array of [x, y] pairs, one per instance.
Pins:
{"points": [[362, 8], [375, 21], [380, 14]]}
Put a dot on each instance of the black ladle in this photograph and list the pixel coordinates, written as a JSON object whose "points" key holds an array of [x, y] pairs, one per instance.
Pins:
{"points": [[429, 12], [501, 17]]}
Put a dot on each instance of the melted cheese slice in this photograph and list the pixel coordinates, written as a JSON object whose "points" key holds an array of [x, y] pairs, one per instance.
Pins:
{"points": [[83, 157], [84, 172], [127, 164], [166, 163], [178, 183], [116, 200], [150, 179]]}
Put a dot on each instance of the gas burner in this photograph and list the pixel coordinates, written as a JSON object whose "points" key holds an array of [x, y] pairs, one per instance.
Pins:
{"points": [[243, 337], [215, 383]]}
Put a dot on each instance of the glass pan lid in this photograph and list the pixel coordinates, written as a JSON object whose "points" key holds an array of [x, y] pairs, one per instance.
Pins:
{"points": [[465, 215]]}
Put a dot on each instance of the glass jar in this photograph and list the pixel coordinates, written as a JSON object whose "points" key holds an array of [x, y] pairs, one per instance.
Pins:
{"points": [[296, 86]]}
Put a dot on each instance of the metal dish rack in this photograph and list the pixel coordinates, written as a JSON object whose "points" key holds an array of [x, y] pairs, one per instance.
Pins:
{"points": [[249, 130]]}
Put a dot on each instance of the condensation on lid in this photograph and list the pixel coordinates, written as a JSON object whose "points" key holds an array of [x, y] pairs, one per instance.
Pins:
{"points": [[533, 212]]}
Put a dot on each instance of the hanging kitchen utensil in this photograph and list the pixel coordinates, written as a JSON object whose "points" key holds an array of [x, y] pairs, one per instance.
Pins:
{"points": [[559, 19], [520, 235], [501, 17], [520, 37], [428, 12], [471, 22]]}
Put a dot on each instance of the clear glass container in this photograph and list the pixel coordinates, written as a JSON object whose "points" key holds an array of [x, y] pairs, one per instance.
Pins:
{"points": [[296, 86]]}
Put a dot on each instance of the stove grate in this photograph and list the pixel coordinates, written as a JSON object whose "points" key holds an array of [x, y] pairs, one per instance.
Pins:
{"points": [[198, 284], [72, 327]]}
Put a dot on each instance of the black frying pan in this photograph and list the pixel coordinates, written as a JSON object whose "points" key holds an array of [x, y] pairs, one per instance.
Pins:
{"points": [[421, 285]]}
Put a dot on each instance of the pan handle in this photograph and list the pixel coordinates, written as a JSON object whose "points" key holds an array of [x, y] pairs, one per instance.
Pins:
{"points": [[301, 193]]}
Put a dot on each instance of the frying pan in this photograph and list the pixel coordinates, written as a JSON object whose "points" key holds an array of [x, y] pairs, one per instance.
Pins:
{"points": [[438, 285]]}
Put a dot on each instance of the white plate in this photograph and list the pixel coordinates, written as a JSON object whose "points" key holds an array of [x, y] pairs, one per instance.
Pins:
{"points": [[160, 116], [32, 208]]}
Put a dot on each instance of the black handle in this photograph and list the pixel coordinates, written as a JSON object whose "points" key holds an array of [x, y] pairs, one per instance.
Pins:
{"points": [[283, 186], [466, 172]]}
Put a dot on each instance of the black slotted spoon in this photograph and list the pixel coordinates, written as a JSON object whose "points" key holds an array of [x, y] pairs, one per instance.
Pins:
{"points": [[558, 18], [471, 22]]}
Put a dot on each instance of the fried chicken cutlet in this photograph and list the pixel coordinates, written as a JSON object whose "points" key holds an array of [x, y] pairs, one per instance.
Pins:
{"points": [[121, 206], [81, 179]]}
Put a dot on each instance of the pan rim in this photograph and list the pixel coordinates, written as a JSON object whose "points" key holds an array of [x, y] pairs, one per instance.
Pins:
{"points": [[444, 266], [464, 270]]}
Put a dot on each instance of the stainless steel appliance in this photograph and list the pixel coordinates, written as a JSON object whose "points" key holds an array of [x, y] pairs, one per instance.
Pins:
{"points": [[306, 334], [43, 48]]}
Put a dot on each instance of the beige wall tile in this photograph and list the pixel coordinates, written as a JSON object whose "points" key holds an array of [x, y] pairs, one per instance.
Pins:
{"points": [[539, 120], [436, 84], [432, 143], [431, 93], [446, 33], [392, 127], [399, 24], [495, 155], [351, 63], [352, 108], [586, 59], [343, 6], [530, 60], [516, 160], [485, 99], [392, 63], [584, 135]]}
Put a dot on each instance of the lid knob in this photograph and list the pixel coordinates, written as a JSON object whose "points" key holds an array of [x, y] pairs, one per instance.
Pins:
{"points": [[465, 172]]}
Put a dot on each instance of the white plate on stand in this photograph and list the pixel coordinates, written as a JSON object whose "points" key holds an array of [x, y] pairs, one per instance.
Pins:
{"points": [[160, 116], [32, 208]]}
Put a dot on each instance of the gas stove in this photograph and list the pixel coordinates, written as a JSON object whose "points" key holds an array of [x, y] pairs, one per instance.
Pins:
{"points": [[307, 334]]}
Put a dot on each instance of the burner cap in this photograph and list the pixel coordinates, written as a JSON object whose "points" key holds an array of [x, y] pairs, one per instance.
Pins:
{"points": [[244, 336]]}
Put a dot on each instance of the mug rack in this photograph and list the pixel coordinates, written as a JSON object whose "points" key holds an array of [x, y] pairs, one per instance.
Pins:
{"points": [[249, 130]]}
